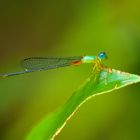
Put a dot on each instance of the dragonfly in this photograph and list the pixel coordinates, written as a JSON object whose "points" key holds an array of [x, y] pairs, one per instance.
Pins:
{"points": [[43, 63]]}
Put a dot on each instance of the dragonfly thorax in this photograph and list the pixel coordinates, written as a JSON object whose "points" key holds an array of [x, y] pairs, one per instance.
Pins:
{"points": [[89, 59]]}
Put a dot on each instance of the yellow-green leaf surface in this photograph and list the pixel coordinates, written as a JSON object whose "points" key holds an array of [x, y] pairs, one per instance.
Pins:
{"points": [[99, 82]]}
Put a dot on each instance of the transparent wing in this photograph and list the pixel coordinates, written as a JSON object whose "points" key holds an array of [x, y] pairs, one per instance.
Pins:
{"points": [[40, 63]]}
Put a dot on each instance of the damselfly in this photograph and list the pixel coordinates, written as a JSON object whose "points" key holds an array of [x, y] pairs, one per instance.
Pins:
{"points": [[42, 63]]}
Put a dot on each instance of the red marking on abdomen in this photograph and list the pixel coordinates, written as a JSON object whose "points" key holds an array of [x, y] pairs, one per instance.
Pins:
{"points": [[76, 63]]}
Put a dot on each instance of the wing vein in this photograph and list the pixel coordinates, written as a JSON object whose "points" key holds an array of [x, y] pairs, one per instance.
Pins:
{"points": [[42, 63]]}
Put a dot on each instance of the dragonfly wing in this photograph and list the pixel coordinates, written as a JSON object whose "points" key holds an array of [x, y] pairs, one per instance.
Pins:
{"points": [[40, 63]]}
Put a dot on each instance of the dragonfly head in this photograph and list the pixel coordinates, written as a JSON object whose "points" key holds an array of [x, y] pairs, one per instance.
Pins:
{"points": [[103, 56]]}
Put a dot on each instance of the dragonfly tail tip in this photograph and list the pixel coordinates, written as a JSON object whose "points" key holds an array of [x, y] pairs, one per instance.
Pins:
{"points": [[3, 76]]}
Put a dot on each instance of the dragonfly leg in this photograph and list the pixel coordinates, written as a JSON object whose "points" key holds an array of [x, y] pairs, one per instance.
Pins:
{"points": [[98, 66]]}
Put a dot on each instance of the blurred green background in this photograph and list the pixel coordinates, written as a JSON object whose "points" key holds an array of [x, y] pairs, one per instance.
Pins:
{"points": [[69, 28]]}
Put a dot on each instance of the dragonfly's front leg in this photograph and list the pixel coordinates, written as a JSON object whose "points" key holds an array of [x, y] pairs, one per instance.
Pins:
{"points": [[94, 68], [98, 68]]}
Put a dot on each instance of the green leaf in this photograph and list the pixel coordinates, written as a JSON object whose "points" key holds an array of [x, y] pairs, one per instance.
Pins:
{"points": [[101, 81]]}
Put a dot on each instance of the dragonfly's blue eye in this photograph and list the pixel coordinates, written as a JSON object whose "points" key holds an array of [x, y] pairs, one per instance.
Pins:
{"points": [[103, 55]]}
